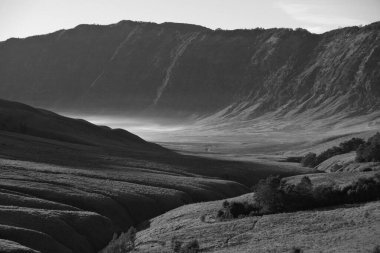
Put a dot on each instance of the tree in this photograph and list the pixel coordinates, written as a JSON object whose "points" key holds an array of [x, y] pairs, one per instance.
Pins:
{"points": [[351, 145]]}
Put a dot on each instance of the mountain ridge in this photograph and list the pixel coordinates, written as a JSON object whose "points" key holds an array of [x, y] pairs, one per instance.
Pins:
{"points": [[181, 70]]}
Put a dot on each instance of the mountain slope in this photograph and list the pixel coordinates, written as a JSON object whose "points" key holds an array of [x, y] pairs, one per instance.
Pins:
{"points": [[177, 70], [20, 118]]}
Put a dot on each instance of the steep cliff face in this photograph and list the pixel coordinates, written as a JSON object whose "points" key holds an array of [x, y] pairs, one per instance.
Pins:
{"points": [[182, 70]]}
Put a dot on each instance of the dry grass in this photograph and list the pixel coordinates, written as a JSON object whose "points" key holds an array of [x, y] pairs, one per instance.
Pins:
{"points": [[342, 229], [346, 228]]}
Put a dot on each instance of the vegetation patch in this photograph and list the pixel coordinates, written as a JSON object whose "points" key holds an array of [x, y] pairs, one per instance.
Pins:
{"points": [[366, 151], [370, 150], [188, 247], [125, 242], [273, 195]]}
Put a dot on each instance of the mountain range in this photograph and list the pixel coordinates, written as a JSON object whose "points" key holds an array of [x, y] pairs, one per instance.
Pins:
{"points": [[181, 70]]}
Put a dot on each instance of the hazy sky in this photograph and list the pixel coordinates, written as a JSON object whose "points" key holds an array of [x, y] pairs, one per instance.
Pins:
{"points": [[22, 18]]}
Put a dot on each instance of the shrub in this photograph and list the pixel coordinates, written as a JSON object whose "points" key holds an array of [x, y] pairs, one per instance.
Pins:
{"points": [[369, 151], [124, 243], [220, 214], [365, 189], [296, 250], [294, 159], [236, 210], [312, 160], [351, 145], [325, 195], [328, 153], [273, 195], [299, 196], [189, 247], [268, 195], [309, 160]]}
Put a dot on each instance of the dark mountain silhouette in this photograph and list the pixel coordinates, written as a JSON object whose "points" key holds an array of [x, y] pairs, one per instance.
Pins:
{"points": [[24, 119], [179, 70]]}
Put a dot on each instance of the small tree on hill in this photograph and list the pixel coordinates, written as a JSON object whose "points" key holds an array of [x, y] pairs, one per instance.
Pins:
{"points": [[268, 195]]}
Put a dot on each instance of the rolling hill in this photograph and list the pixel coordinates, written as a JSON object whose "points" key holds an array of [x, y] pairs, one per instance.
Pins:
{"points": [[345, 228], [67, 185]]}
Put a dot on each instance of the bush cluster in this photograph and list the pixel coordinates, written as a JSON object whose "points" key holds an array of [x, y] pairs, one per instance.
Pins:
{"points": [[312, 159], [235, 210], [370, 150], [273, 195], [125, 242]]}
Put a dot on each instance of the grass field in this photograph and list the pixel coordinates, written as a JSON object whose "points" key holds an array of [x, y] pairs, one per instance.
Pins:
{"points": [[347, 228]]}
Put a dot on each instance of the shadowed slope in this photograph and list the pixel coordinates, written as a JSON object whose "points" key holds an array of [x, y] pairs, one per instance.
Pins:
{"points": [[20, 118]]}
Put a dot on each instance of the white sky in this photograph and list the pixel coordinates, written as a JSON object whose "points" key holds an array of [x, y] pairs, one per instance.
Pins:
{"points": [[22, 18]]}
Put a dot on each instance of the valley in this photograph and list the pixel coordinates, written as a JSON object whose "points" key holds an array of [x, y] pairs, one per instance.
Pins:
{"points": [[154, 126]]}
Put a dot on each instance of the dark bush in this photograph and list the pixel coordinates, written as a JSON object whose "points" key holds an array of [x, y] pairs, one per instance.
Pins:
{"points": [[365, 189], [236, 210], [268, 195], [299, 196], [294, 159], [328, 153], [309, 160], [326, 195], [351, 145], [125, 242], [220, 213], [312, 160], [296, 250], [273, 195], [369, 151], [190, 247]]}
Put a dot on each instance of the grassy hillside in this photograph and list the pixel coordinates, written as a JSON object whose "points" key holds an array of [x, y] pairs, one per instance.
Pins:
{"points": [[67, 185], [348, 228]]}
